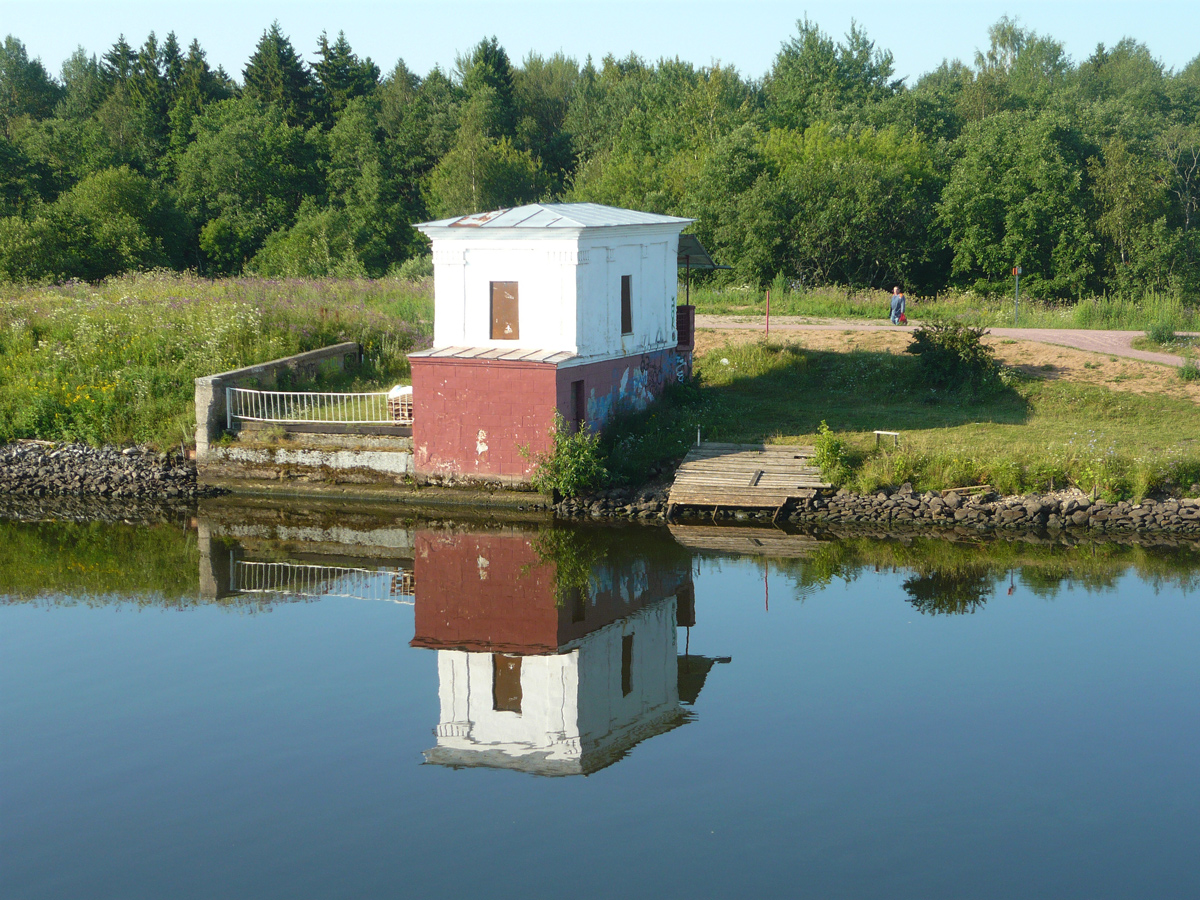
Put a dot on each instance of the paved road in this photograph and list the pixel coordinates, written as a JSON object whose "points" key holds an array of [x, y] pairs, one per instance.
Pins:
{"points": [[1114, 343]]}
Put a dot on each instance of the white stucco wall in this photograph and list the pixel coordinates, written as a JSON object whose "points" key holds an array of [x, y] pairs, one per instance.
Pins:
{"points": [[569, 288], [571, 702]]}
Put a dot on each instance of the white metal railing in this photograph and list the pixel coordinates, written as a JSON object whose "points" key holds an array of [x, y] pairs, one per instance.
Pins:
{"points": [[301, 580], [306, 407]]}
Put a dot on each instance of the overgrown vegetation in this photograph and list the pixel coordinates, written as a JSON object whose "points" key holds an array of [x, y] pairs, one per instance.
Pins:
{"points": [[573, 465], [827, 171], [1024, 434], [116, 363]]}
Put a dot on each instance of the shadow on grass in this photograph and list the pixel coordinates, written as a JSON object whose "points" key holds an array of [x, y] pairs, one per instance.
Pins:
{"points": [[755, 392]]}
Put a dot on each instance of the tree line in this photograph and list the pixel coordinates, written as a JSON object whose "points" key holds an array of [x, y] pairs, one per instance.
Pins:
{"points": [[828, 170]]}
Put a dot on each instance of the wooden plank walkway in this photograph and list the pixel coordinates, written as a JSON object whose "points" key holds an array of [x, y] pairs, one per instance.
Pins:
{"points": [[744, 476]]}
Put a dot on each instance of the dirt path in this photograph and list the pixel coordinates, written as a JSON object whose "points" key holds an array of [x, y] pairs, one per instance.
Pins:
{"points": [[1113, 343]]}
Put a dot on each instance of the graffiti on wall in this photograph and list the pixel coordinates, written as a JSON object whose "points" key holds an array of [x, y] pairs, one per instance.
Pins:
{"points": [[638, 385]]}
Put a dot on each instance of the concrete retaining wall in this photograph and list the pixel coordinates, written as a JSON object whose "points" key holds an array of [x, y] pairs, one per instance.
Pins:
{"points": [[386, 461], [210, 390]]}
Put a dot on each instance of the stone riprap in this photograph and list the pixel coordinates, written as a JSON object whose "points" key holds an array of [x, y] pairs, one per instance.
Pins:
{"points": [[39, 469], [903, 507]]}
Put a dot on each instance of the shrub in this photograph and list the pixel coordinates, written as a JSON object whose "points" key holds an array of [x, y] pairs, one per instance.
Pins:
{"points": [[416, 268], [574, 464], [1189, 371], [951, 355], [1162, 333], [831, 455]]}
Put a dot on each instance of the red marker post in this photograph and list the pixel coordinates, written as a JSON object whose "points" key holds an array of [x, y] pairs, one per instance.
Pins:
{"points": [[1016, 293]]}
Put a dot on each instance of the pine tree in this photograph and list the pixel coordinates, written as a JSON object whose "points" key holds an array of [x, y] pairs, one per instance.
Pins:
{"points": [[341, 76], [276, 74]]}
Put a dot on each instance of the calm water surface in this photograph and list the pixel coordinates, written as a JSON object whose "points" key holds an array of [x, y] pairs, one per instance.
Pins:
{"points": [[519, 712]]}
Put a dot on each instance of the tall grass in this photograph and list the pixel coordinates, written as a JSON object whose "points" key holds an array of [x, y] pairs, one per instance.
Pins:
{"points": [[1113, 313], [116, 363]]}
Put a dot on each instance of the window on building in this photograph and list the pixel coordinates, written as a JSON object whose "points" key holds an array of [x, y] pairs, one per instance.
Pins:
{"points": [[626, 304], [627, 665], [578, 406], [506, 683], [578, 603], [505, 318]]}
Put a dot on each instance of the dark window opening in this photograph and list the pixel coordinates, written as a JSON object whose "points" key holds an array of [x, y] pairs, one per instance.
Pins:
{"points": [[578, 605], [627, 665], [578, 406], [626, 304], [506, 683], [505, 313]]}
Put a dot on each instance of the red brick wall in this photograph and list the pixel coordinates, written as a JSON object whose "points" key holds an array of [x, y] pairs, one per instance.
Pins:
{"points": [[511, 403], [631, 382], [492, 592], [484, 592]]}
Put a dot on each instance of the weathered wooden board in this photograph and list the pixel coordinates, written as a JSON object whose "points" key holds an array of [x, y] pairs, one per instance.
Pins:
{"points": [[745, 476]]}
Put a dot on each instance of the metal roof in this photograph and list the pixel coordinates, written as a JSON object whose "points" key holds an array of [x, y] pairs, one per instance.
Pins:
{"points": [[556, 215], [693, 255], [514, 354]]}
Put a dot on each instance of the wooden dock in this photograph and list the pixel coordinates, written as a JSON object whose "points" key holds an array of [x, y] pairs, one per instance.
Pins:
{"points": [[744, 476], [764, 541]]}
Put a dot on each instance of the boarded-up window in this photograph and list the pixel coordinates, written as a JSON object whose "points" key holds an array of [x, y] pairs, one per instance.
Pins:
{"points": [[505, 318], [627, 665], [578, 406], [626, 304], [506, 683]]}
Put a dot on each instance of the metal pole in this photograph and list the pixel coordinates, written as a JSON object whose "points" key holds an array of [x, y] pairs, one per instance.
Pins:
{"points": [[768, 311], [1016, 293]]}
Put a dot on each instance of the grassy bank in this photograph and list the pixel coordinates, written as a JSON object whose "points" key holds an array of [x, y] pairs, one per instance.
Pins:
{"points": [[971, 309], [115, 363], [1025, 434]]}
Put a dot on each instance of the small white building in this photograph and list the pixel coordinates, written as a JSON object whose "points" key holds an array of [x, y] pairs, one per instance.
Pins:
{"points": [[566, 307], [565, 713]]}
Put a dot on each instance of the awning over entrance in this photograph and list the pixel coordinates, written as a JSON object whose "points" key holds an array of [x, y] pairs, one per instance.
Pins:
{"points": [[692, 254]]}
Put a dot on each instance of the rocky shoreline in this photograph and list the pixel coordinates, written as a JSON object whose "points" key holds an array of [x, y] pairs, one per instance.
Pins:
{"points": [[68, 473], [43, 469], [963, 510]]}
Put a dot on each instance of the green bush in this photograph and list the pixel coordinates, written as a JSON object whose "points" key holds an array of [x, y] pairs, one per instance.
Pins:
{"points": [[416, 268], [574, 464], [1189, 371], [832, 455], [1162, 333], [952, 355]]}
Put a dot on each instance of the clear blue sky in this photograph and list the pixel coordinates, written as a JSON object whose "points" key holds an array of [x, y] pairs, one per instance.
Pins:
{"points": [[745, 33]]}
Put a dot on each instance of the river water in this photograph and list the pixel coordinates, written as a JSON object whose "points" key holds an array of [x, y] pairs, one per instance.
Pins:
{"points": [[268, 703]]}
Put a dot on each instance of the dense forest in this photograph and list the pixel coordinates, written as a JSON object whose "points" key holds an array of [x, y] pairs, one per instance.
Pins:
{"points": [[828, 170]]}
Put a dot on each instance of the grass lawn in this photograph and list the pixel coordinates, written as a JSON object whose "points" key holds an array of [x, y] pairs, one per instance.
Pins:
{"points": [[1046, 427]]}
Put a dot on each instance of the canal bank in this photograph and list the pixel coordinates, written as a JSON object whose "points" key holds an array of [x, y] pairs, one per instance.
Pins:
{"points": [[85, 479]]}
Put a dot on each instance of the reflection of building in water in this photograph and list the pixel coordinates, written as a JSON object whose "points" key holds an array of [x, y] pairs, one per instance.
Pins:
{"points": [[548, 680]]}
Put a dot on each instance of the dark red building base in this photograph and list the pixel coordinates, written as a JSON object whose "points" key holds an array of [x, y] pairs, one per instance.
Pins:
{"points": [[487, 419]]}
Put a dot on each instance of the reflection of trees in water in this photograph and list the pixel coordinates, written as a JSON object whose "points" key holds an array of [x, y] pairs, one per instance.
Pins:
{"points": [[950, 592], [951, 569]]}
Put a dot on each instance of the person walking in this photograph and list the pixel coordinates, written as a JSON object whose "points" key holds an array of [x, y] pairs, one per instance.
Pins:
{"points": [[898, 317]]}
